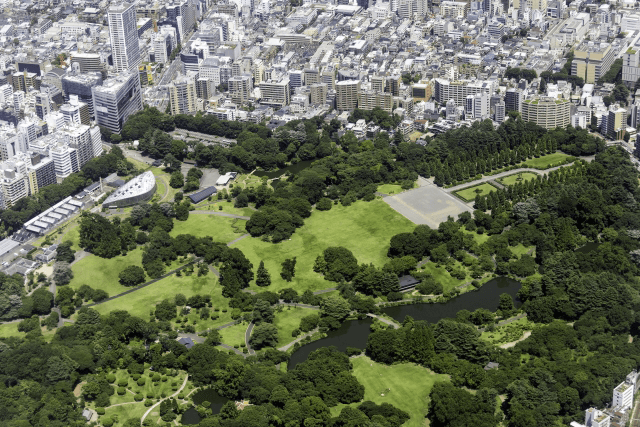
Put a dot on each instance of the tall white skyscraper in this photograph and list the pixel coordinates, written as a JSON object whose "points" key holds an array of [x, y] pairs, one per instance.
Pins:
{"points": [[124, 37]]}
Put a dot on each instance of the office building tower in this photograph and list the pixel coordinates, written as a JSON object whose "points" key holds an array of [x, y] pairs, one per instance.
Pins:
{"points": [[477, 106], [615, 122], [347, 92], [500, 112], [513, 100], [163, 44], [123, 33], [43, 105], [88, 62], [182, 94], [547, 112], [592, 60], [184, 15], [75, 112], [81, 85], [275, 92], [118, 98], [296, 79]]}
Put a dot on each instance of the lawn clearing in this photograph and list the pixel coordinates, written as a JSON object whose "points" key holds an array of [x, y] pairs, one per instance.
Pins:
{"points": [[517, 177], [218, 303], [391, 188], [365, 228], [102, 273], [548, 161], [140, 302], [234, 335], [470, 194], [520, 249], [479, 238], [289, 319], [11, 330], [220, 228], [227, 207], [406, 386], [441, 275]]}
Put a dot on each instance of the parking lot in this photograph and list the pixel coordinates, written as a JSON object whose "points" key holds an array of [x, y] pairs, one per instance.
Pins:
{"points": [[427, 204]]}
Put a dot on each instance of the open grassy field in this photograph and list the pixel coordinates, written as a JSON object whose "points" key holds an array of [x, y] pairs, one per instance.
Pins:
{"points": [[365, 228], [517, 177], [546, 162], [11, 330], [392, 188], [520, 249], [218, 303], [479, 238], [289, 319], [102, 273], [227, 207], [441, 275], [124, 412], [405, 386], [246, 181], [470, 193], [234, 335], [140, 302], [220, 228]]}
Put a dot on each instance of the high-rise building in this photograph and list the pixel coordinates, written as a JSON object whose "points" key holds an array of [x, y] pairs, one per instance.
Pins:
{"points": [[13, 182], [540, 5], [513, 100], [184, 15], [40, 171], [444, 90], [123, 33], [347, 92], [43, 105], [592, 60], [182, 94], [118, 98], [162, 47], [75, 112], [547, 112], [240, 88], [296, 79], [615, 122], [88, 62], [275, 92], [80, 85], [371, 99], [631, 66], [500, 112], [318, 93], [477, 106]]}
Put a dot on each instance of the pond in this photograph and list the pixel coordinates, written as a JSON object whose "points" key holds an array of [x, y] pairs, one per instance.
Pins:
{"points": [[355, 333], [294, 169], [191, 416]]}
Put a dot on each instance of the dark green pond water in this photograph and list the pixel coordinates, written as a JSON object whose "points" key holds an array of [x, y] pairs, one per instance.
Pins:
{"points": [[354, 333], [294, 169], [191, 416]]}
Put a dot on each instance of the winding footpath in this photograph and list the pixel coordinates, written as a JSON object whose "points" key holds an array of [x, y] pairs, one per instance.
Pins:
{"points": [[247, 335], [184, 383]]}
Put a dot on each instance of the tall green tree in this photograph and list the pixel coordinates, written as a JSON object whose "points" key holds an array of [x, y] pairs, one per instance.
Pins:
{"points": [[263, 278]]}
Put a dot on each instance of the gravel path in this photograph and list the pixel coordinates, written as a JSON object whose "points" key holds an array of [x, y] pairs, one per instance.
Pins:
{"points": [[184, 383]]}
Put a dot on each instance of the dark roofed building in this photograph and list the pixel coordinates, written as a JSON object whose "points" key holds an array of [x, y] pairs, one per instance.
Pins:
{"points": [[202, 194], [407, 282], [187, 342]]}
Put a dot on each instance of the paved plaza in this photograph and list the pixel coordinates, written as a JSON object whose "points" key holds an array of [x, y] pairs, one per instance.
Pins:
{"points": [[427, 204]]}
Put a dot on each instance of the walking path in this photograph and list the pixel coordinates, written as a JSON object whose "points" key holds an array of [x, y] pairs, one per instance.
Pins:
{"points": [[501, 175], [238, 239], [324, 291], [247, 335], [300, 338], [526, 335], [383, 320], [184, 383]]}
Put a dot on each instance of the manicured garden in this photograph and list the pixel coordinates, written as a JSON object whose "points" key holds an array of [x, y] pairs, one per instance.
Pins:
{"points": [[365, 228], [406, 386], [220, 228], [141, 301], [517, 177], [234, 335], [102, 273], [219, 314], [469, 194], [548, 161]]}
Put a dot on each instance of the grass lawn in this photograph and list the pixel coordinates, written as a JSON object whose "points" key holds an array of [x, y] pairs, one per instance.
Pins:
{"points": [[140, 302], [161, 186], [234, 335], [220, 228], [392, 188], [102, 273], [289, 319], [508, 333], [414, 136], [11, 330], [124, 412], [470, 193], [479, 238], [517, 177], [219, 303], [546, 162], [246, 181], [406, 386], [72, 232], [227, 207], [442, 275], [520, 249], [365, 228]]}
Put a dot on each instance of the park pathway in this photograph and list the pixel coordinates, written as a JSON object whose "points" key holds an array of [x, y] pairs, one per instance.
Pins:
{"points": [[247, 335], [184, 383], [383, 320], [238, 239], [503, 174], [300, 338], [228, 215], [324, 291]]}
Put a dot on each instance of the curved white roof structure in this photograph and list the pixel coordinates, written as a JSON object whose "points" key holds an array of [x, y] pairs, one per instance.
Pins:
{"points": [[138, 189]]}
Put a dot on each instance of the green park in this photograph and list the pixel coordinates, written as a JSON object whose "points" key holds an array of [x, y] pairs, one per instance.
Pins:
{"points": [[470, 193], [520, 177]]}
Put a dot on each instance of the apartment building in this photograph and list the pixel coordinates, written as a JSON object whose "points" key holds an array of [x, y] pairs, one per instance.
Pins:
{"points": [[347, 93], [547, 112], [592, 60], [182, 94], [275, 92], [444, 90]]}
